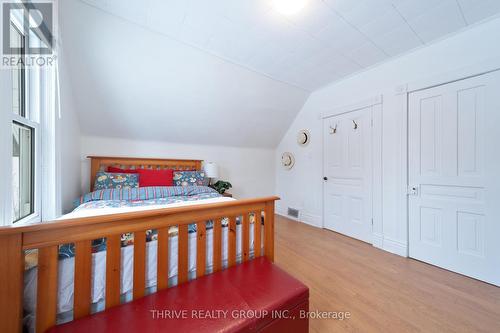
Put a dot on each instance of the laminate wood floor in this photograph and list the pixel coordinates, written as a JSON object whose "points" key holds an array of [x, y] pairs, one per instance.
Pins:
{"points": [[383, 292]]}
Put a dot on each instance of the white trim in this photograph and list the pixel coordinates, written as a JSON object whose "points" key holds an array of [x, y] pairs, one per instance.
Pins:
{"points": [[5, 147], [402, 214], [24, 121], [375, 100], [304, 217], [401, 89], [395, 246], [33, 218], [390, 245], [322, 171], [313, 220], [288, 217], [463, 73], [377, 169], [378, 240], [50, 200], [37, 161]]}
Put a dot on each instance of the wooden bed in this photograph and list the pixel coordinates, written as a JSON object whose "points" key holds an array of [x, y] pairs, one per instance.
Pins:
{"points": [[47, 236]]}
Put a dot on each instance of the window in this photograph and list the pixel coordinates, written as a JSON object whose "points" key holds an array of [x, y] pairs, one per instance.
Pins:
{"points": [[25, 125], [29, 128], [18, 76], [22, 171]]}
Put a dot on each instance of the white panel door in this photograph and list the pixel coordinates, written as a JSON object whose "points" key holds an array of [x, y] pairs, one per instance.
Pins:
{"points": [[348, 174], [454, 176]]}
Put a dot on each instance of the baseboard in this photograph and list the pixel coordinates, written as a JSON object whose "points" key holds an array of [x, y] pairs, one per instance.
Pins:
{"points": [[390, 245], [378, 240], [395, 246], [283, 214], [312, 220]]}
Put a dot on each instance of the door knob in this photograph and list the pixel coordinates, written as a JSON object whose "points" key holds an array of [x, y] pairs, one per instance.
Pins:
{"points": [[325, 178], [413, 190]]}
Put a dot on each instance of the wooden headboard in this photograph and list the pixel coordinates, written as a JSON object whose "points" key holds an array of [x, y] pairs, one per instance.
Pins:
{"points": [[98, 163]]}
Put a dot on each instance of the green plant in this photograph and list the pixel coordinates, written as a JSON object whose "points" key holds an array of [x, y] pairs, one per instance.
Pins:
{"points": [[221, 186]]}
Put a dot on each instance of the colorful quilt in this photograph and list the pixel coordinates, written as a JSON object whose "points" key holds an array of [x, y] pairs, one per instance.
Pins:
{"points": [[141, 197]]}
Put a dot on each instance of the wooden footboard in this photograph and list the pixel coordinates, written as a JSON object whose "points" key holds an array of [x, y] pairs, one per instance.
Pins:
{"points": [[47, 236]]}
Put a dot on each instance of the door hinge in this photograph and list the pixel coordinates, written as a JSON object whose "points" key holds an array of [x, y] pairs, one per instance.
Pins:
{"points": [[371, 122], [372, 221]]}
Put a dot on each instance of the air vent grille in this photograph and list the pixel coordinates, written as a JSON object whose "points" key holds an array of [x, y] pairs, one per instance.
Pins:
{"points": [[293, 212]]}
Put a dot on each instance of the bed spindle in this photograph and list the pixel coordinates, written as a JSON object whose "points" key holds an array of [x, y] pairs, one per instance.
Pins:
{"points": [[182, 264], [269, 231], [217, 234], [245, 235], [113, 268], [82, 284], [139, 264], [162, 257], [201, 256], [231, 249], [11, 283], [257, 232], [46, 306]]}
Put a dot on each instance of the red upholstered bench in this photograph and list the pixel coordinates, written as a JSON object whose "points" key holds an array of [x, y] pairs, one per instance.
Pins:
{"points": [[256, 296]]}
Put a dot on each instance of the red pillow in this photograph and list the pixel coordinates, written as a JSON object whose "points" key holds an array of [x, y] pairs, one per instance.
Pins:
{"points": [[118, 170], [156, 177]]}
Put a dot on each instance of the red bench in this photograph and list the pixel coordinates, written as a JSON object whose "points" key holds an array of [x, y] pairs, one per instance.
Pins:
{"points": [[255, 296]]}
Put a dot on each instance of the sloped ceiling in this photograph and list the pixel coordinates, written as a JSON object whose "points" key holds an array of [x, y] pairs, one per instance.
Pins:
{"points": [[326, 41], [233, 72], [131, 82]]}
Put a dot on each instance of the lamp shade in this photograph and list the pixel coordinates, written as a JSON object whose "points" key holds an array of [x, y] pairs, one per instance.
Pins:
{"points": [[211, 170]]}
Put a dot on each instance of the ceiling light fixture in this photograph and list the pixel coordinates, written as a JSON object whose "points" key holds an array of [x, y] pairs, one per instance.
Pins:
{"points": [[288, 7]]}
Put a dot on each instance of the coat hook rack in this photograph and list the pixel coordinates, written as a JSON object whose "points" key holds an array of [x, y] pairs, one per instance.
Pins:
{"points": [[333, 130], [355, 125]]}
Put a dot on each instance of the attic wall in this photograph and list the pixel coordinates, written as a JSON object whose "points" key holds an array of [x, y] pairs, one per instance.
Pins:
{"points": [[250, 170], [70, 140], [133, 83]]}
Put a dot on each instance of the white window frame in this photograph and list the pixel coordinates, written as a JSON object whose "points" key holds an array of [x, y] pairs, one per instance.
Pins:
{"points": [[33, 88], [46, 155]]}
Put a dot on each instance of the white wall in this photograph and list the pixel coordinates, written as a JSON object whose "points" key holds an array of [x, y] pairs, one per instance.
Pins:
{"points": [[250, 170], [69, 143], [136, 83], [302, 186]]}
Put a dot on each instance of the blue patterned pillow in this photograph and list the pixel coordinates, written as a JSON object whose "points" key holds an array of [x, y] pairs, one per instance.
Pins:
{"points": [[190, 178], [105, 180]]}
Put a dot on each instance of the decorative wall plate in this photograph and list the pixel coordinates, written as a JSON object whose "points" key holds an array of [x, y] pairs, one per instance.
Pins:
{"points": [[287, 160], [303, 137]]}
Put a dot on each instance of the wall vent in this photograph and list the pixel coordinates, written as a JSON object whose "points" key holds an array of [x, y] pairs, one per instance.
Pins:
{"points": [[293, 212]]}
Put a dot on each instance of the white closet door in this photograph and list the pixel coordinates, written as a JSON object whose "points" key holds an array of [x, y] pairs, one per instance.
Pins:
{"points": [[454, 176], [348, 173]]}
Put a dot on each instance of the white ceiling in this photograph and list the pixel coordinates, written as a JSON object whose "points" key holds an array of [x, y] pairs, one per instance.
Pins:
{"points": [[325, 42], [130, 82]]}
